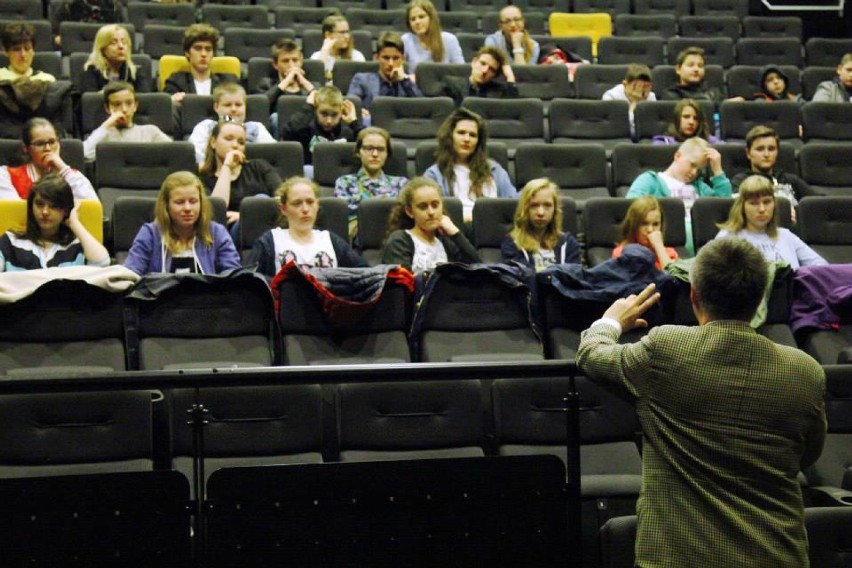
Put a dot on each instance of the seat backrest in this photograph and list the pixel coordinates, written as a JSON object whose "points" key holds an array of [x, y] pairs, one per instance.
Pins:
{"points": [[654, 117], [570, 166], [592, 81], [655, 7], [223, 17], [259, 214], [645, 25], [737, 118], [828, 535], [376, 21], [143, 14], [409, 420], [469, 43], [13, 216], [616, 50], [831, 470], [300, 19], [825, 224], [36, 338], [772, 26], [430, 76], [631, 160], [611, 7], [546, 82], [461, 21], [510, 119], [345, 70], [738, 8], [411, 118], [719, 25], [770, 51], [618, 539], [170, 64], [826, 52], [21, 10], [595, 26], [589, 121], [471, 315], [812, 76], [578, 44], [78, 37], [205, 323], [734, 158], [824, 122], [823, 166], [245, 43], [161, 40], [76, 433], [372, 228]]}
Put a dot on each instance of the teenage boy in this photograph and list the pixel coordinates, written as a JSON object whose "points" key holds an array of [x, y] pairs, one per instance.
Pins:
{"points": [[682, 179], [391, 79], [762, 152], [199, 47], [229, 103], [635, 88], [120, 104], [839, 89], [513, 36], [19, 44], [487, 68], [326, 116], [689, 67]]}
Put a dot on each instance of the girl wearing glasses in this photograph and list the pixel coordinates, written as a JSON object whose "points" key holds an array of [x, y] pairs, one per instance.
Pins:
{"points": [[53, 235], [337, 43], [40, 156]]}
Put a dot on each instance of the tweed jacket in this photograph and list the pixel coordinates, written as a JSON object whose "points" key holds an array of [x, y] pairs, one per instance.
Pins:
{"points": [[728, 419]]}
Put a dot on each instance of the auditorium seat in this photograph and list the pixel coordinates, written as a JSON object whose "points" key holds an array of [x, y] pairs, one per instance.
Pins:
{"points": [[825, 168], [411, 120], [737, 118], [718, 25], [605, 123], [410, 420], [662, 25], [772, 26], [580, 170], [827, 122], [514, 122]]}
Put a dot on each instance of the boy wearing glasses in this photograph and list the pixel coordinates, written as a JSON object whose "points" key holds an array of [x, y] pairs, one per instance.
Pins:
{"points": [[121, 105], [512, 37], [372, 149]]}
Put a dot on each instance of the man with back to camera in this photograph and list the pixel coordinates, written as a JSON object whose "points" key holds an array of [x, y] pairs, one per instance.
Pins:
{"points": [[728, 420]]}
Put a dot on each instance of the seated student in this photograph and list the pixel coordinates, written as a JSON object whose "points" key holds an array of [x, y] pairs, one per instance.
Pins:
{"points": [[120, 105], [326, 116], [645, 225], [762, 151], [183, 238], [754, 217], [110, 60], [462, 167], [420, 235], [688, 122], [199, 47], [373, 148], [391, 79], [774, 86], [18, 39], [54, 234], [336, 44], [513, 34], [40, 152], [425, 41], [635, 88], [227, 174], [290, 79], [689, 67], [682, 179], [296, 239], [229, 103], [85, 11], [537, 239], [487, 67], [839, 89]]}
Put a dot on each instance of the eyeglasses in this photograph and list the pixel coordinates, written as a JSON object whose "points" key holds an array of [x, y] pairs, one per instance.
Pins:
{"points": [[341, 32], [374, 149], [44, 143], [508, 21]]}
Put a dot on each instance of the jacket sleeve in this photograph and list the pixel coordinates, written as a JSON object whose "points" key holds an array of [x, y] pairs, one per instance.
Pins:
{"points": [[174, 84], [825, 92], [505, 188], [90, 80], [433, 173], [643, 185], [263, 253], [720, 186], [509, 251], [142, 79], [460, 249], [226, 253], [452, 48], [571, 248], [80, 185], [346, 256], [399, 249], [141, 251]]}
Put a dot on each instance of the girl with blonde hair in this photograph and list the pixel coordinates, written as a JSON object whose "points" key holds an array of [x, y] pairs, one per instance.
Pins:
{"points": [[111, 60], [537, 239], [183, 238]]}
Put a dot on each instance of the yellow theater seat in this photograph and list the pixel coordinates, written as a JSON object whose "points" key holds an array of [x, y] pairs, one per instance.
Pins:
{"points": [[594, 26], [176, 63], [13, 216]]}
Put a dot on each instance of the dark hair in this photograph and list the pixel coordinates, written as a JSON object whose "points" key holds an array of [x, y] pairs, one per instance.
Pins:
{"points": [[681, 57], [703, 130], [729, 276], [392, 40], [17, 33], [480, 169], [285, 45], [55, 190], [498, 54], [200, 32], [114, 87]]}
